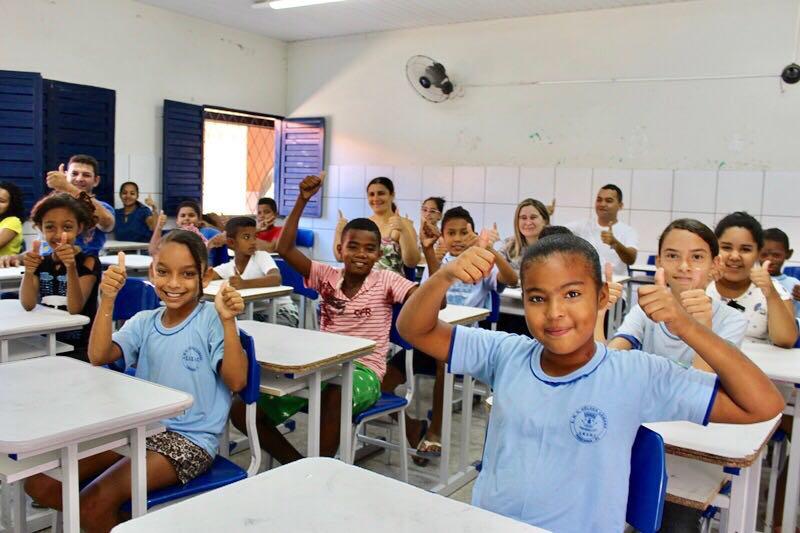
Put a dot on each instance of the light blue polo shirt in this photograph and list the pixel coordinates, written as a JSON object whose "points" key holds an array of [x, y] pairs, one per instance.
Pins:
{"points": [[469, 294], [788, 283], [654, 337], [185, 357], [558, 449]]}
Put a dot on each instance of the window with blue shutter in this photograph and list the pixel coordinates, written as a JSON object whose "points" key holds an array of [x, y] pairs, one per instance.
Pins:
{"points": [[182, 155], [80, 119], [21, 133], [301, 152]]}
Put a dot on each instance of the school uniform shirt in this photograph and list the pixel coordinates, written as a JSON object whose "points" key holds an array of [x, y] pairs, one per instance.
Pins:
{"points": [[259, 265], [590, 230], [53, 282], [469, 294], [788, 283], [185, 357], [91, 244], [13, 246], [654, 337], [558, 449], [753, 305], [367, 315], [270, 234], [133, 226]]}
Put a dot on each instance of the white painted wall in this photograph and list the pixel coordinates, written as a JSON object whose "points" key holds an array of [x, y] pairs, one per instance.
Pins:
{"points": [[677, 148], [146, 55]]}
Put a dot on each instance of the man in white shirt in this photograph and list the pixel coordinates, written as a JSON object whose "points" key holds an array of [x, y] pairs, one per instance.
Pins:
{"points": [[615, 241]]}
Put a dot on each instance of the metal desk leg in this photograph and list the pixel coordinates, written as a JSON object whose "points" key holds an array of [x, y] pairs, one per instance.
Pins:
{"points": [[138, 472], [466, 421], [793, 474], [744, 497], [20, 514], [51, 344], [314, 397], [4, 351], [248, 311], [447, 423], [346, 425], [273, 312], [69, 488]]}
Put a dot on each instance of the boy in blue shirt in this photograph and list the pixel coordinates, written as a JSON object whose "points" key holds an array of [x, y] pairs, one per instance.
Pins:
{"points": [[776, 250], [566, 409]]}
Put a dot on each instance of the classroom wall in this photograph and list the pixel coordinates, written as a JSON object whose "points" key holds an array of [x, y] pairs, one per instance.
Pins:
{"points": [[695, 147], [146, 55]]}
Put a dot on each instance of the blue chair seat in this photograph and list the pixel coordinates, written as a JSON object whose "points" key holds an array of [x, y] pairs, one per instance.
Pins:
{"points": [[222, 472], [386, 402]]}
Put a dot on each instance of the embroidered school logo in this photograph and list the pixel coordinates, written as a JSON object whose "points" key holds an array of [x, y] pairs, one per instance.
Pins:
{"points": [[588, 424], [191, 358]]}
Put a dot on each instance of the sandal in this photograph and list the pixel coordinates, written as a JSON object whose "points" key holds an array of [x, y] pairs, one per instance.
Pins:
{"points": [[421, 461], [429, 448]]}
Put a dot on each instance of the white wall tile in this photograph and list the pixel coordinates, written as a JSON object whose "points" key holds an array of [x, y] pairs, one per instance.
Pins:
{"points": [[537, 183], [323, 245], [352, 208], [503, 215], [330, 215], [573, 187], [476, 212], [468, 184], [330, 187], [411, 209], [695, 191], [379, 171], [565, 215], [650, 190], [502, 185], [408, 183], [351, 181], [790, 225], [145, 170], [706, 218], [437, 181], [649, 225], [621, 177], [739, 191], [780, 193]]}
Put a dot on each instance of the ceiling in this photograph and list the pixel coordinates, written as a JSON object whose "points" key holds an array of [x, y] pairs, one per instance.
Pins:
{"points": [[365, 16]]}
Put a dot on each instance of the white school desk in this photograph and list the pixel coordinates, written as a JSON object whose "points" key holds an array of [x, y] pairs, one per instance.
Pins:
{"points": [[293, 359], [448, 484], [56, 403], [783, 365], [313, 495], [20, 330], [11, 276], [737, 447], [641, 267], [132, 262], [250, 296], [112, 247]]}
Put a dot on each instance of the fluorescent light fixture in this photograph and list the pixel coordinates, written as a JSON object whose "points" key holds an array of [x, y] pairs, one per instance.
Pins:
{"points": [[286, 4]]}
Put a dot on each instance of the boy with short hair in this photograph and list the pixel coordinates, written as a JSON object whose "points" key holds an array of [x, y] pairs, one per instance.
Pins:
{"points": [[268, 232], [776, 250], [251, 269], [567, 409], [356, 301]]}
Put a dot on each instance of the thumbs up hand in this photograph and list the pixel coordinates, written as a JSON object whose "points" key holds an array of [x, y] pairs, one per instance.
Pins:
{"points": [[471, 265], [659, 304], [150, 203], [760, 276], [57, 180], [65, 252], [341, 223], [607, 236], [32, 259], [228, 302], [614, 288], [114, 278], [492, 236]]}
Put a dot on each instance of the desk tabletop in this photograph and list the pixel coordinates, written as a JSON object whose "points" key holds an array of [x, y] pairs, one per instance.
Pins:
{"points": [[320, 494], [515, 293], [462, 314], [642, 267], [296, 350], [51, 401], [15, 321], [723, 444], [248, 295], [121, 246], [132, 262], [11, 273], [780, 364]]}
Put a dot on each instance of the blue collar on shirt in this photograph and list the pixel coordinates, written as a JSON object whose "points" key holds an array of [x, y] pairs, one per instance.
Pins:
{"points": [[599, 356], [163, 330]]}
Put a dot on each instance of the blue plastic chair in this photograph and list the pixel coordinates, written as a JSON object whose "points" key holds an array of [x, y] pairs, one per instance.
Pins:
{"points": [[223, 471], [293, 279], [647, 487], [792, 271], [390, 403], [305, 238], [136, 295]]}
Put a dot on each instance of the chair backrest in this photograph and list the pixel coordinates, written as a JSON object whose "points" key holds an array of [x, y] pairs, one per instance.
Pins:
{"points": [[647, 486], [293, 279], [792, 271], [394, 336], [410, 273], [305, 238], [136, 295], [494, 312], [249, 393]]}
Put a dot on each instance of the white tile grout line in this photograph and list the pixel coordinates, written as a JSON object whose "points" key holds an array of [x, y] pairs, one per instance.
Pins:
{"points": [[763, 193]]}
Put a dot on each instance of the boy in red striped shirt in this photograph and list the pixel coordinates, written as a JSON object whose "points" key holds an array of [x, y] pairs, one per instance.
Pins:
{"points": [[355, 301]]}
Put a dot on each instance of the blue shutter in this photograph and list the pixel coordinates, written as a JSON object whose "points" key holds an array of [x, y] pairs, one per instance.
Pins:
{"points": [[80, 119], [182, 157], [21, 133], [301, 152]]}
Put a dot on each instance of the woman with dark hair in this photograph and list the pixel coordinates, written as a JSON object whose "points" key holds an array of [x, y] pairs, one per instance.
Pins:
{"points": [[398, 237], [12, 214], [134, 221]]}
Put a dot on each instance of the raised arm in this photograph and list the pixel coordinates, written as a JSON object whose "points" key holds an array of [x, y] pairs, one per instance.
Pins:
{"points": [[29, 286], [781, 323], [408, 240], [337, 235], [155, 238], [286, 243], [233, 369], [626, 253], [101, 350], [746, 394]]}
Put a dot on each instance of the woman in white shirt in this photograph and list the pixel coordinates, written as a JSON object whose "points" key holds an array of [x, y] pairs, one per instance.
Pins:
{"points": [[747, 286]]}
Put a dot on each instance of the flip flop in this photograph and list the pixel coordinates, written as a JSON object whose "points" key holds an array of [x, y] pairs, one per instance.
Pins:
{"points": [[421, 461], [422, 452]]}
